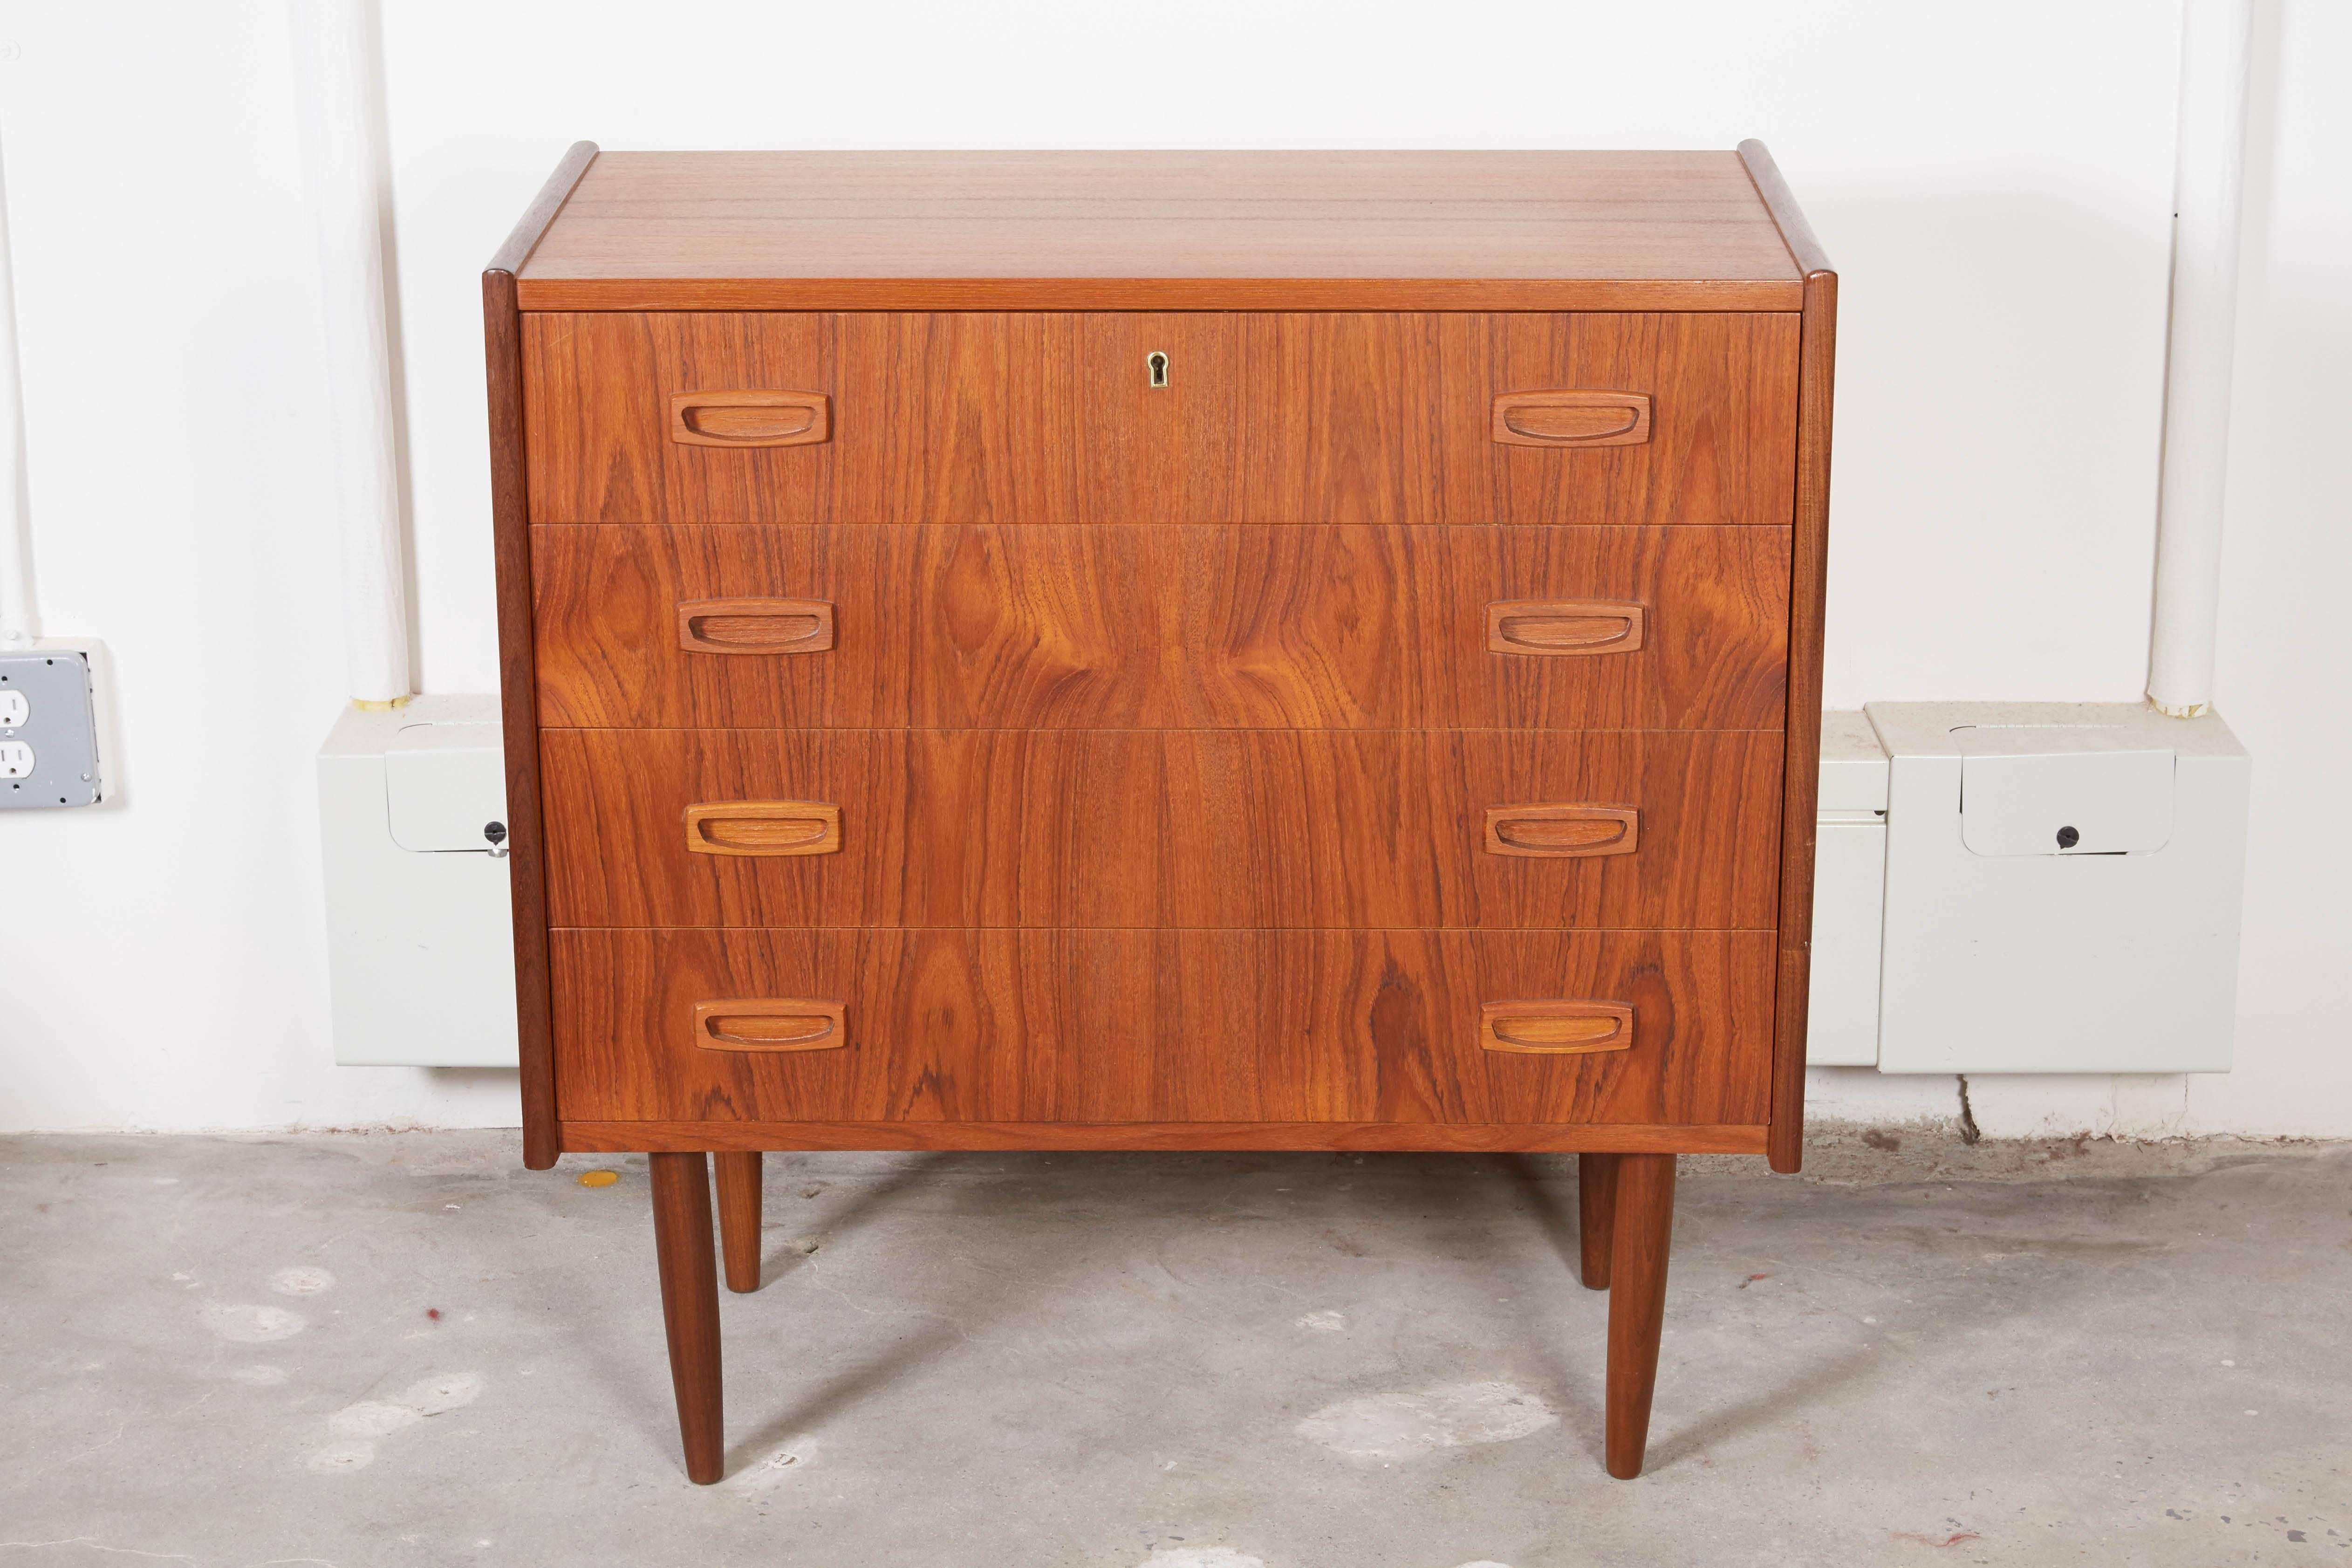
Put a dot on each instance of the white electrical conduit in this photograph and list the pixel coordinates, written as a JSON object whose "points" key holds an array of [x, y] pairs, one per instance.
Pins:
{"points": [[2214, 45], [16, 627], [344, 165]]}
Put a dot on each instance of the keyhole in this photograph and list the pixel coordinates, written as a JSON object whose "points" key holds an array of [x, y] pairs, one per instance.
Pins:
{"points": [[1156, 363]]}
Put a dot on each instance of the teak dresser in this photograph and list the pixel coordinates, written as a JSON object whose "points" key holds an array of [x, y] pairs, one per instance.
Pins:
{"points": [[1074, 651]]}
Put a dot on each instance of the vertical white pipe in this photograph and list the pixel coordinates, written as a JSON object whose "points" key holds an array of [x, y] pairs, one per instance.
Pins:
{"points": [[344, 163], [17, 627], [2215, 41]]}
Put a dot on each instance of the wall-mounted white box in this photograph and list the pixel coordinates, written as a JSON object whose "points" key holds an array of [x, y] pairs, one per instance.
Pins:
{"points": [[420, 943], [2063, 889], [1849, 895]]}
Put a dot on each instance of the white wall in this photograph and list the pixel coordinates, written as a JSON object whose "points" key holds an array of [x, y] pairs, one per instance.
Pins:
{"points": [[2000, 215]]}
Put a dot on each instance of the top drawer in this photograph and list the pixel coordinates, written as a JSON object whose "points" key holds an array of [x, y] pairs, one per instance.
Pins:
{"points": [[1188, 417]]}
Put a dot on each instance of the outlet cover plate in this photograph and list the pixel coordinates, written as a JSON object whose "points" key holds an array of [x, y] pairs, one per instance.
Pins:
{"points": [[56, 722]]}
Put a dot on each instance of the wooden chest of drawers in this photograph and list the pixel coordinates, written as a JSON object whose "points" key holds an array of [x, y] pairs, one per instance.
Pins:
{"points": [[1162, 651]]}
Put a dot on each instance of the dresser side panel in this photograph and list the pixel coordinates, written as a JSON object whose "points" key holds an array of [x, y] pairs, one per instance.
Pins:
{"points": [[517, 680], [1808, 595]]}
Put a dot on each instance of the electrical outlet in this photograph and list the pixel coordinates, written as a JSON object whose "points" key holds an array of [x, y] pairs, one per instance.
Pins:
{"points": [[48, 756]]}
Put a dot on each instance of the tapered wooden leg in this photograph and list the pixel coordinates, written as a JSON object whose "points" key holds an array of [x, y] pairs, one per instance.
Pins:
{"points": [[1637, 1302], [690, 1290], [1596, 1215], [739, 1219]]}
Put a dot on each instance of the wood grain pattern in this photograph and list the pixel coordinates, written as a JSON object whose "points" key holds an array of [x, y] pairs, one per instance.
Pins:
{"points": [[1562, 1027], [1047, 418], [1596, 1216], [517, 679], [1340, 627], [1243, 830], [689, 1294], [767, 1024], [749, 419], [1570, 418], [1578, 629], [1808, 592], [738, 1179], [1642, 1234], [1563, 828], [1010, 1027], [1118, 231], [1680, 295], [763, 827], [755, 626], [1434, 1137]]}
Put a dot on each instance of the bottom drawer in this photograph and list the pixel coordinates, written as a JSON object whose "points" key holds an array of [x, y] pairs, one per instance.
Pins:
{"points": [[1675, 1028]]}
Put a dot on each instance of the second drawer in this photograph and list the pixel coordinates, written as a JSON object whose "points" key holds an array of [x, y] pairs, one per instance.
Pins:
{"points": [[1311, 627], [1628, 829]]}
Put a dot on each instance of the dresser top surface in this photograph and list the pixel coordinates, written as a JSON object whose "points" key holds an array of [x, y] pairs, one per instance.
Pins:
{"points": [[1162, 230]]}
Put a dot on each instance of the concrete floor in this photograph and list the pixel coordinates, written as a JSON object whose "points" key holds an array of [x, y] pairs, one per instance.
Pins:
{"points": [[398, 1349]]}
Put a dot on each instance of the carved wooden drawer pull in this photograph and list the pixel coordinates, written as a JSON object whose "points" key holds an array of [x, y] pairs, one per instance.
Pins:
{"points": [[1555, 1028], [755, 626], [1572, 419], [1565, 829], [770, 1024], [763, 827], [1565, 625], [749, 419]]}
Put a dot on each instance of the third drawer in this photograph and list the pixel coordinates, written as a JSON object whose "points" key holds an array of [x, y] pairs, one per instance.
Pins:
{"points": [[1490, 829]]}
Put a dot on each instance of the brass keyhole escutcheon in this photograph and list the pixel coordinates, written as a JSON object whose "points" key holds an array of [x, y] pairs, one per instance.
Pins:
{"points": [[1155, 363]]}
